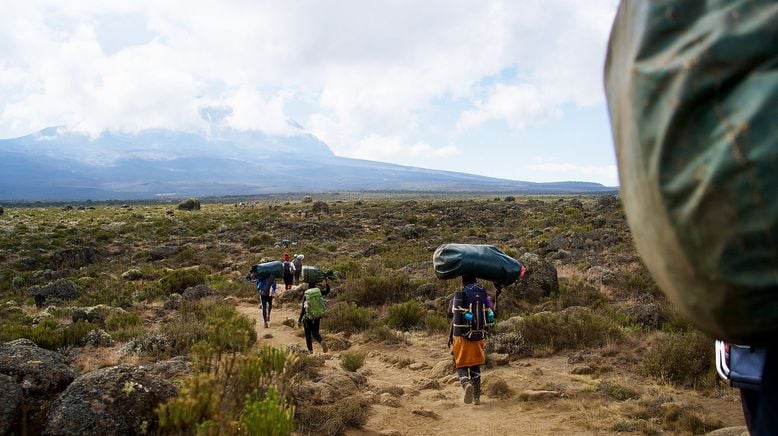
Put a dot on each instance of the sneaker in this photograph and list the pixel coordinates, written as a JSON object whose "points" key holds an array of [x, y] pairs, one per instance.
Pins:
{"points": [[467, 393], [476, 400], [324, 346], [265, 324]]}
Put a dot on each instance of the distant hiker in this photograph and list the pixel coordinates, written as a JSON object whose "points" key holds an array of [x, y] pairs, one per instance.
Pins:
{"points": [[288, 272], [311, 314], [298, 267], [472, 316], [267, 290]]}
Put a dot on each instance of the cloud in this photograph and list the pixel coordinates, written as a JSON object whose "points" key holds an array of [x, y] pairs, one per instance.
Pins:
{"points": [[608, 173], [369, 78]]}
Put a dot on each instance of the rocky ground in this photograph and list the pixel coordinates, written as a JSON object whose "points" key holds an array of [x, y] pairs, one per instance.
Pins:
{"points": [[115, 317]]}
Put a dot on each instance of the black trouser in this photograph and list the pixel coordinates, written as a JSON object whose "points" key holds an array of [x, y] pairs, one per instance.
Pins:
{"points": [[472, 375], [267, 306], [760, 407], [297, 276], [311, 327]]}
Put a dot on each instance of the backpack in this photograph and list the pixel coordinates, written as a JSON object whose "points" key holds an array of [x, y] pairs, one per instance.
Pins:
{"points": [[471, 315], [287, 267], [314, 304]]}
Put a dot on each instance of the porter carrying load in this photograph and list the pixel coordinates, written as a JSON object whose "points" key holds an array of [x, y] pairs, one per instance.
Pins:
{"points": [[485, 262]]}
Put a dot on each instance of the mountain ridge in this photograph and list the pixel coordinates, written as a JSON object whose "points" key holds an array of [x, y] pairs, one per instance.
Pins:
{"points": [[55, 164]]}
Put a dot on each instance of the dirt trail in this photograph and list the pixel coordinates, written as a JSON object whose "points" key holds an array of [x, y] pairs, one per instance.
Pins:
{"points": [[451, 416], [579, 409]]}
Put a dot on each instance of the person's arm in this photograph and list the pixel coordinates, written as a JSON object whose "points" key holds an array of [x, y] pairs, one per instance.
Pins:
{"points": [[302, 312], [326, 289], [273, 288]]}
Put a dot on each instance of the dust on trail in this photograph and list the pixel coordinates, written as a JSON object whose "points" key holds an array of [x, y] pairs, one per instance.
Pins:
{"points": [[508, 416]]}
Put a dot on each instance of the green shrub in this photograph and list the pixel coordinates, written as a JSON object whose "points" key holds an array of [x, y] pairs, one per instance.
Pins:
{"points": [[617, 391], [47, 333], [348, 318], [572, 328], [269, 416], [216, 324], [511, 343], [406, 316], [261, 239], [180, 279], [352, 360], [123, 325], [378, 289], [681, 358], [435, 323], [74, 334], [382, 333], [579, 293]]}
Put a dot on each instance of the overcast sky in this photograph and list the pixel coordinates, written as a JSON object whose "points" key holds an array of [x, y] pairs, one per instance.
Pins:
{"points": [[510, 89]]}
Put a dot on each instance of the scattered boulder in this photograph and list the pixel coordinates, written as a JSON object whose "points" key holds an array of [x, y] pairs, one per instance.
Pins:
{"points": [[540, 279], [189, 204], [163, 252], [598, 275], [115, 400], [425, 412], [648, 315], [75, 257], [171, 368], [10, 399], [41, 375], [583, 370], [730, 431], [425, 384], [442, 369], [497, 359], [67, 207], [98, 338], [173, 301], [390, 400], [94, 314], [198, 292], [608, 202], [59, 290], [132, 274], [537, 395], [320, 207]]}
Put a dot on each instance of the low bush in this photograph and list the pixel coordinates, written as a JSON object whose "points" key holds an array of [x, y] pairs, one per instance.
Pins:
{"points": [[406, 316], [48, 334], [216, 324], [511, 343], [617, 391], [333, 419], [260, 239], [180, 279], [348, 318], [352, 360], [498, 388], [231, 390], [684, 358], [123, 325], [383, 334], [579, 293], [378, 289], [573, 328], [435, 323]]}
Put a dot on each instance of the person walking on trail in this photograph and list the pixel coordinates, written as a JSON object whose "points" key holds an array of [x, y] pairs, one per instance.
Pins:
{"points": [[288, 272], [267, 290], [311, 314], [472, 313], [298, 267]]}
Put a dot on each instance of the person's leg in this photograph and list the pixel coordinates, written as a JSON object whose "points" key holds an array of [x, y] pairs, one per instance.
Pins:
{"points": [[316, 335], [749, 399], [475, 379], [307, 328], [265, 313], [767, 413], [269, 308], [467, 387]]}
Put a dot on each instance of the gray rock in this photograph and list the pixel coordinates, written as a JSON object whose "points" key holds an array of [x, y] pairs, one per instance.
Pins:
{"points": [[540, 280], [425, 412], [61, 290], [730, 431], [536, 395], [388, 399], [41, 375], [498, 359], [10, 399], [115, 400], [198, 292], [426, 383], [163, 252], [171, 368], [94, 314], [189, 204], [75, 257], [598, 275], [648, 315], [442, 369], [132, 274]]}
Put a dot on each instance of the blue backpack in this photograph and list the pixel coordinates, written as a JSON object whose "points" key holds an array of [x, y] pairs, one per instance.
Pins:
{"points": [[472, 317]]}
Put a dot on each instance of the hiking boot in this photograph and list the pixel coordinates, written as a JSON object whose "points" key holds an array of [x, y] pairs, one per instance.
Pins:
{"points": [[467, 393], [324, 348], [476, 400], [265, 324]]}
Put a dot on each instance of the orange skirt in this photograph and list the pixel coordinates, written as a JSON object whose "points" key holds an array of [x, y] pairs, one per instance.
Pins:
{"points": [[468, 353]]}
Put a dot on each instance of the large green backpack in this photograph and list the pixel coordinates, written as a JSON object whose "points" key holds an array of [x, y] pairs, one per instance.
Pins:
{"points": [[314, 304]]}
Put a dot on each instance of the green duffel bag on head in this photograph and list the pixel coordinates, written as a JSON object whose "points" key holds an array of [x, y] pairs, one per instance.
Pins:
{"points": [[314, 275], [274, 268], [485, 262], [693, 98]]}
